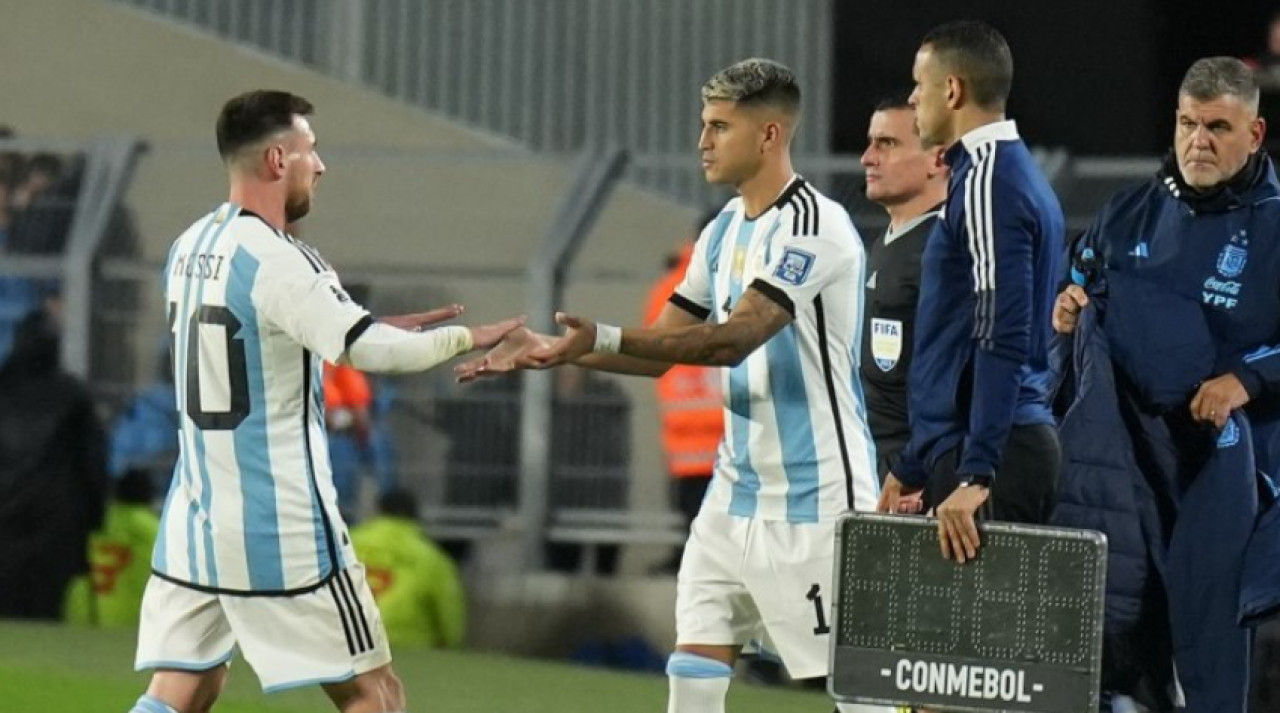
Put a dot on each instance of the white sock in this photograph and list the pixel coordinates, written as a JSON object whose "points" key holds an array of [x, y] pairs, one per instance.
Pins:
{"points": [[698, 684]]}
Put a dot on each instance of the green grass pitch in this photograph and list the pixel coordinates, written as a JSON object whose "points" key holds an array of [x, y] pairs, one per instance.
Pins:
{"points": [[54, 669]]}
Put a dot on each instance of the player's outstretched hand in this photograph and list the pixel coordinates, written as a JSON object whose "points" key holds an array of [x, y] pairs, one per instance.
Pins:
{"points": [[579, 338], [511, 354], [487, 335], [419, 321]]}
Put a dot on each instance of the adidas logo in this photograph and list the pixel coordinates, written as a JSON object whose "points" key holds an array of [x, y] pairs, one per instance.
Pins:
{"points": [[871, 282], [1140, 250]]}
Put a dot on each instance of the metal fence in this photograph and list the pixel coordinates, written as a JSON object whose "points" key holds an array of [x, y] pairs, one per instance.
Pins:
{"points": [[554, 75], [63, 210]]}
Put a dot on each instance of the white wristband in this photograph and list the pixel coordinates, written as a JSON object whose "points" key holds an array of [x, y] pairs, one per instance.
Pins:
{"points": [[608, 339]]}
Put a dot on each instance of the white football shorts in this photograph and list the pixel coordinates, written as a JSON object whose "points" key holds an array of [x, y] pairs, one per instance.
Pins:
{"points": [[760, 582], [327, 635]]}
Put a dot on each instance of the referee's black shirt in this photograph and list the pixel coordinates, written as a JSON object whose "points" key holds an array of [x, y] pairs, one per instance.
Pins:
{"points": [[893, 289]]}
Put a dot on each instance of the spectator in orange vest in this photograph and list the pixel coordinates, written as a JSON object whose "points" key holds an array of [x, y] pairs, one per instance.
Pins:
{"points": [[691, 405], [347, 398]]}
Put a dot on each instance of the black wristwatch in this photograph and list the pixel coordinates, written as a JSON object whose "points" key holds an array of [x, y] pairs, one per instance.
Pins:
{"points": [[967, 481]]}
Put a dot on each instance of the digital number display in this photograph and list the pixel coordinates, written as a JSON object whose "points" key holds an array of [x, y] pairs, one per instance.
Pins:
{"points": [[1017, 629]]}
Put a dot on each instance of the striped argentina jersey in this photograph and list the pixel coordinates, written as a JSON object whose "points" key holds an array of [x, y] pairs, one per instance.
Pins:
{"points": [[252, 313], [796, 445]]}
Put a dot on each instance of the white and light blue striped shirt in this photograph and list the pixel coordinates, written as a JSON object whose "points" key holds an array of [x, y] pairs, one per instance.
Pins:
{"points": [[252, 314], [796, 445]]}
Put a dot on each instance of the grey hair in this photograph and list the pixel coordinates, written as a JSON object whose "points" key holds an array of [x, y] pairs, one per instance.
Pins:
{"points": [[756, 82], [1213, 77]]}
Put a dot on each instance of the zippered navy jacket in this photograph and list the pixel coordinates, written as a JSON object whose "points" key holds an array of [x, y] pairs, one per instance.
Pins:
{"points": [[988, 280], [1221, 250], [1192, 554], [1184, 287]]}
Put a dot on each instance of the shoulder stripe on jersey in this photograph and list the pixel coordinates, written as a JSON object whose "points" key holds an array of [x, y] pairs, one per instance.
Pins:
{"points": [[689, 306], [807, 191], [980, 226], [311, 260], [775, 294], [828, 375], [315, 254], [358, 329], [804, 219], [797, 213], [788, 193]]}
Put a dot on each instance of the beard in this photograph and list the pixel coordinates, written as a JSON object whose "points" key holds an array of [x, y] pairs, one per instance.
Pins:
{"points": [[296, 207]]}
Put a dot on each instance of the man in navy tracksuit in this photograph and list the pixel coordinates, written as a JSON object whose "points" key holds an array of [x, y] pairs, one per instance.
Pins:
{"points": [[980, 423], [1184, 274]]}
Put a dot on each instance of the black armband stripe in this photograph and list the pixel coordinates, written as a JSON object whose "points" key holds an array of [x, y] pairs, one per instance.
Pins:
{"points": [[689, 306], [774, 293], [357, 329]]}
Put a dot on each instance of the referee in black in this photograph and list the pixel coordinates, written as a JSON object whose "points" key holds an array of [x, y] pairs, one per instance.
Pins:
{"points": [[910, 181]]}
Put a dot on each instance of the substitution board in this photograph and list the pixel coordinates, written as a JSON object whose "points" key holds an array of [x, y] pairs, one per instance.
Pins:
{"points": [[1019, 628]]}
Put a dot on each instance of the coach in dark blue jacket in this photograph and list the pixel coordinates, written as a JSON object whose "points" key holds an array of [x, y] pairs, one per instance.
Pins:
{"points": [[980, 422], [1185, 273]]}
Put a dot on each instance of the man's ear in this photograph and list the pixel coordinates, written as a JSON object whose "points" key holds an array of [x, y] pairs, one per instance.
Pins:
{"points": [[937, 165], [955, 91], [275, 160], [772, 134]]}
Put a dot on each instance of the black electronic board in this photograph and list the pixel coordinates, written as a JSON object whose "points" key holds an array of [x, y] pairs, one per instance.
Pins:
{"points": [[1019, 628]]}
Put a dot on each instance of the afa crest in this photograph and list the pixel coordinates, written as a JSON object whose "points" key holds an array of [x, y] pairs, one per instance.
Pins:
{"points": [[1230, 434], [794, 266], [1231, 260]]}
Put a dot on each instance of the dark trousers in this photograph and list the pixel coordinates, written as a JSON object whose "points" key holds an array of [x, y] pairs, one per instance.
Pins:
{"points": [[886, 448], [1025, 488], [688, 491]]}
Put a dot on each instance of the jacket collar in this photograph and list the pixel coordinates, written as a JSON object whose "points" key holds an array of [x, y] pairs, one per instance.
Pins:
{"points": [[1254, 182], [969, 144], [1006, 130]]}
